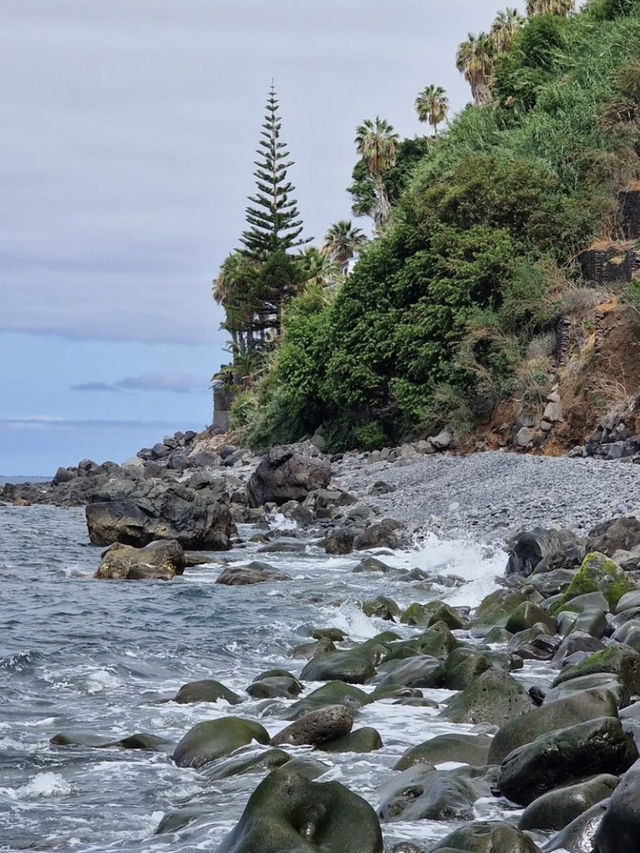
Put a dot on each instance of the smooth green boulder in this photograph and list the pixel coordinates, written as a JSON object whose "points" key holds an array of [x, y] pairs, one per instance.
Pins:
{"points": [[578, 708], [289, 813], [493, 697], [332, 693], [496, 608], [603, 680], [250, 760], [366, 739], [597, 573], [565, 756], [415, 671], [272, 687], [213, 739], [437, 641], [487, 837], [206, 690], [355, 666], [425, 615], [467, 749], [556, 809], [461, 667], [618, 659], [526, 615]]}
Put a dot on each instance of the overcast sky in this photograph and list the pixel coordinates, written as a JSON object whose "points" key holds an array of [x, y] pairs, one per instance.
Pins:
{"points": [[129, 130]]}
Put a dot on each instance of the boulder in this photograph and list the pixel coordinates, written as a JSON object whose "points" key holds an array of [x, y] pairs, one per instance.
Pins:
{"points": [[333, 693], [422, 793], [528, 614], [253, 572], [619, 831], [175, 512], [586, 749], [339, 541], [381, 607], [206, 690], [528, 549], [587, 705], [557, 808], [428, 614], [467, 749], [361, 740], [487, 837], [579, 835], [318, 727], [597, 573], [371, 564], [383, 534], [212, 739], [496, 608], [250, 760], [156, 561], [617, 659], [288, 472], [274, 686], [355, 666], [619, 534], [437, 641], [289, 813], [493, 697]]}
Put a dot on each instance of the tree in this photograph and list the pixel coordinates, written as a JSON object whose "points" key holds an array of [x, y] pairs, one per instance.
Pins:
{"points": [[550, 7], [504, 29], [474, 60], [343, 240], [432, 105], [235, 289], [377, 144], [273, 217]]}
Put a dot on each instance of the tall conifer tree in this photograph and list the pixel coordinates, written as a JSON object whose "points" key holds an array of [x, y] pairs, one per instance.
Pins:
{"points": [[273, 217]]}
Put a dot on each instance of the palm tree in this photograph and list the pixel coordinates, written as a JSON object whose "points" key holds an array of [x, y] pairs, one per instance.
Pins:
{"points": [[377, 144], [504, 29], [343, 240], [550, 7], [318, 267], [432, 105], [474, 59]]}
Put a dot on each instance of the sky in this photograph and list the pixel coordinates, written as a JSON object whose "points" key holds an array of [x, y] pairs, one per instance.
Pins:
{"points": [[129, 134]]}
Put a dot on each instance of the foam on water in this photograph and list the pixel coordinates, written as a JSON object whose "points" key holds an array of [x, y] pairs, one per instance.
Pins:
{"points": [[44, 785]]}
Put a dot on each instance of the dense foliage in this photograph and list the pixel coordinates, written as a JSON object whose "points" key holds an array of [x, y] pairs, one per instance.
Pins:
{"points": [[488, 221]]}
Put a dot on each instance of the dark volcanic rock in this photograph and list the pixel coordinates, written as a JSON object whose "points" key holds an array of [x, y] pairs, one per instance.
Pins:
{"points": [[527, 550], [487, 837], [288, 812], [565, 756], [619, 534], [619, 831], [559, 807], [288, 472], [318, 727]]}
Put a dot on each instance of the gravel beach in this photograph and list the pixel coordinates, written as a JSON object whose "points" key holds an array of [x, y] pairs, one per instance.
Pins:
{"points": [[491, 495]]}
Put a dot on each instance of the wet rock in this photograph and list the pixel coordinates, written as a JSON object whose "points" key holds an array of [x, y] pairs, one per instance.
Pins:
{"points": [[597, 573], [579, 836], [487, 837], [177, 819], [381, 607], [587, 705], [467, 749], [617, 659], [384, 534], [206, 690], [429, 614], [275, 686], [336, 635], [496, 608], [213, 739], [577, 641], [253, 572], [339, 541], [494, 697], [557, 808], [619, 831], [318, 727], [371, 564], [619, 534], [422, 793], [355, 666], [527, 550], [528, 614], [248, 761], [417, 671], [156, 561], [81, 738], [288, 472], [333, 693], [589, 748], [437, 641], [361, 740], [171, 512], [312, 650], [287, 812]]}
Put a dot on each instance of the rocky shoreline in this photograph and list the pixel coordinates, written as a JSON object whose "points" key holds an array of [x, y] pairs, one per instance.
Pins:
{"points": [[558, 758]]}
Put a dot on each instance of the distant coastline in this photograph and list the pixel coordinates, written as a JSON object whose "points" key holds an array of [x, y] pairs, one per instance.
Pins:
{"points": [[20, 478]]}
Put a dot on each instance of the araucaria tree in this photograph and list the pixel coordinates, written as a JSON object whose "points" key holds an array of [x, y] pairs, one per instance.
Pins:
{"points": [[256, 281], [432, 105]]}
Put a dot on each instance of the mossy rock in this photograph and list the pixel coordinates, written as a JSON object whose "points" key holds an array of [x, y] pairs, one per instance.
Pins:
{"points": [[437, 641], [336, 635], [493, 697], [461, 667], [467, 749], [355, 666], [361, 740], [206, 690], [311, 650], [620, 660], [382, 607], [496, 608], [526, 615], [497, 636], [214, 739], [429, 614], [556, 809], [597, 573], [332, 693], [487, 837], [288, 812], [251, 761], [272, 687]]}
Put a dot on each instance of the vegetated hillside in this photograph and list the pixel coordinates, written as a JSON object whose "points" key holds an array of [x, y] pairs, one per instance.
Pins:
{"points": [[457, 313]]}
